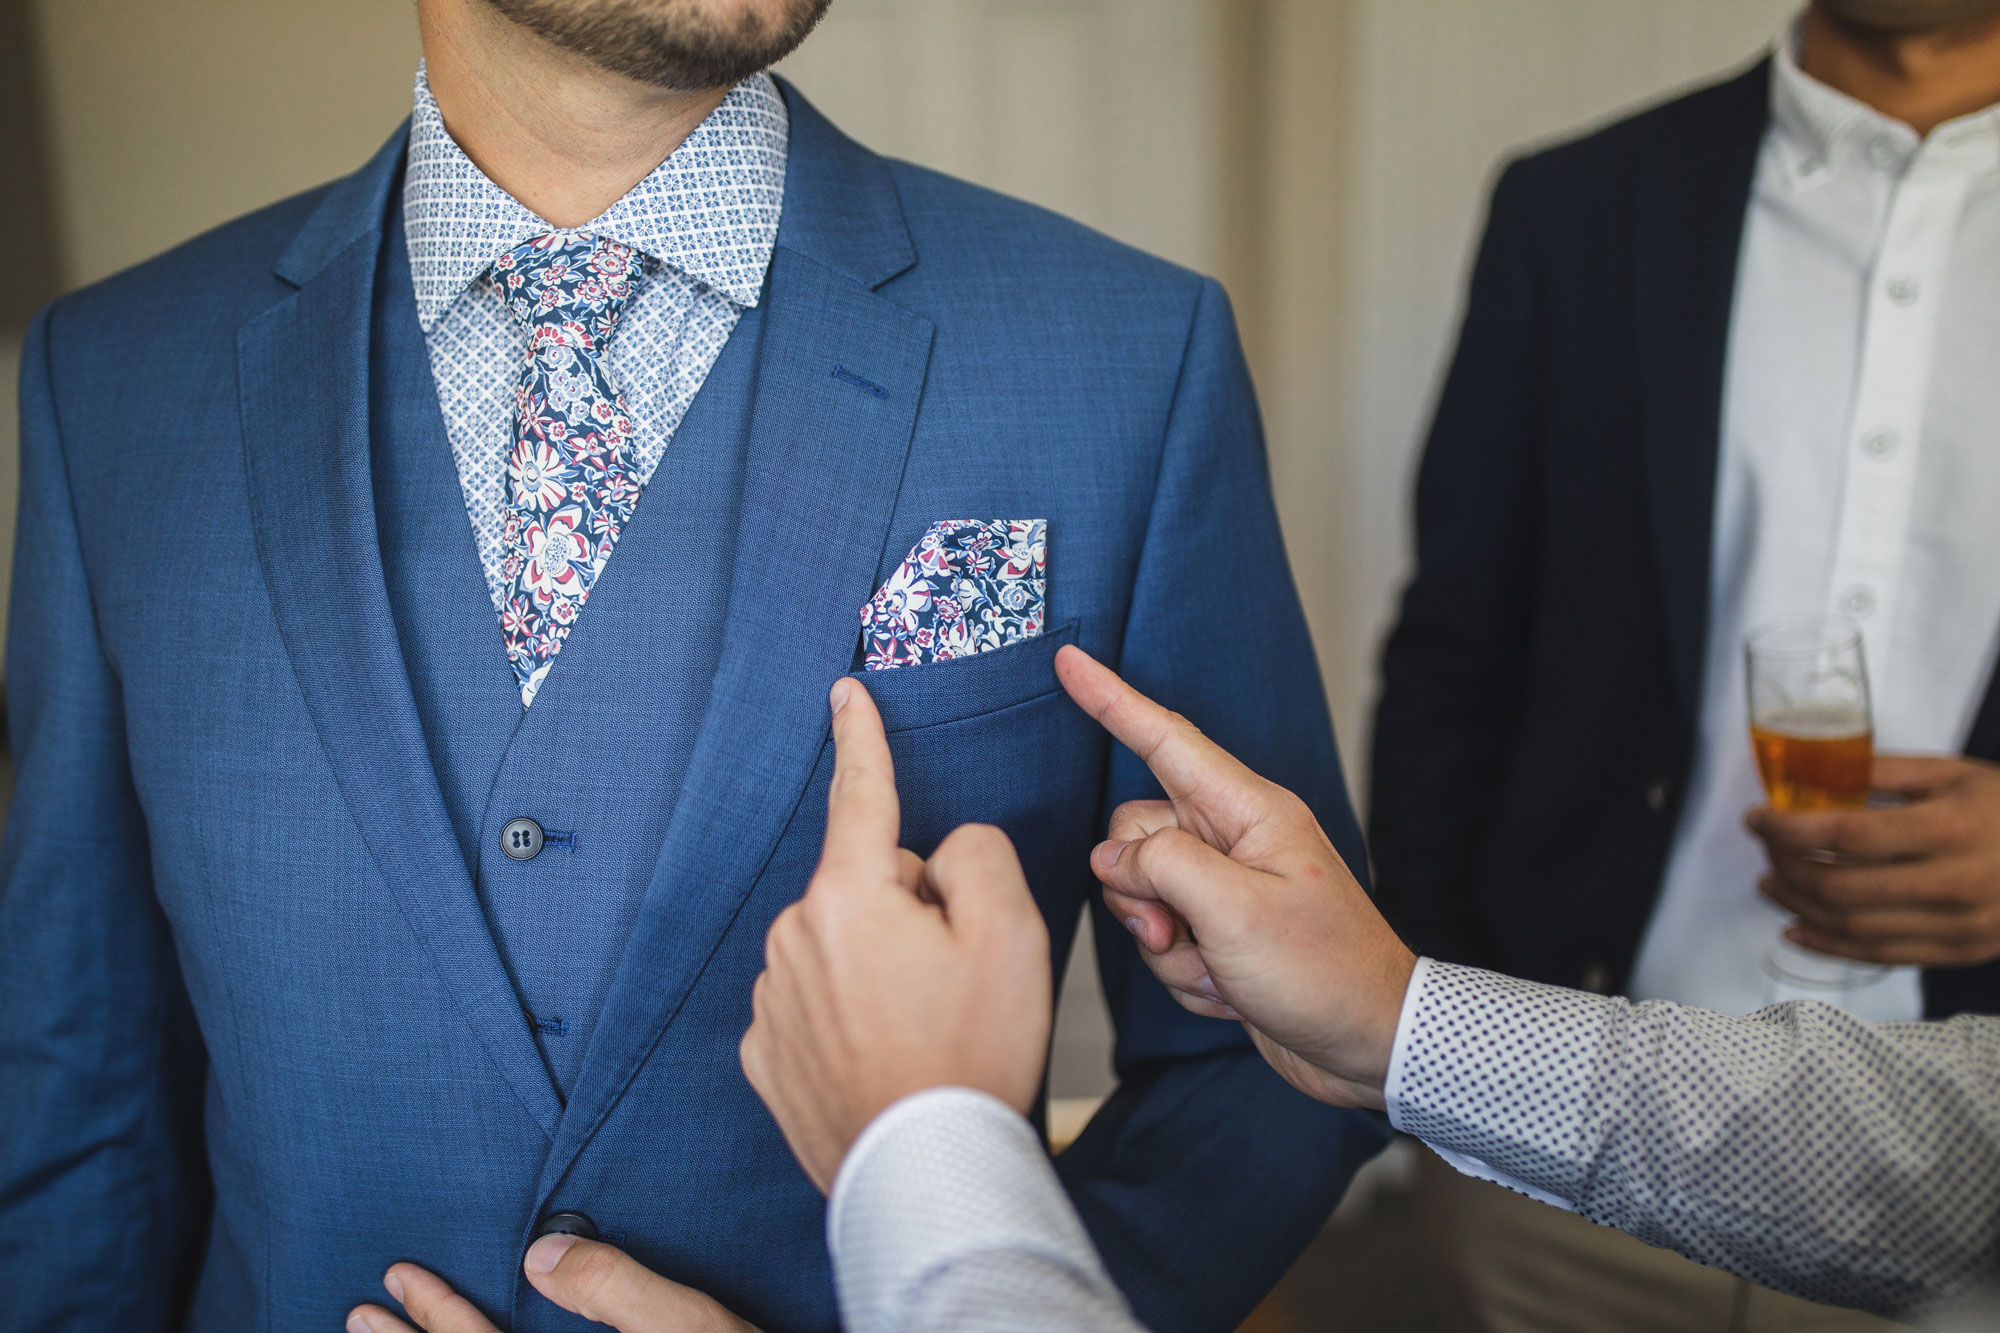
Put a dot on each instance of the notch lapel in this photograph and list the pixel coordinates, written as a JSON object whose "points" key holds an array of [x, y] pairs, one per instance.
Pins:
{"points": [[822, 473], [303, 367], [1691, 200]]}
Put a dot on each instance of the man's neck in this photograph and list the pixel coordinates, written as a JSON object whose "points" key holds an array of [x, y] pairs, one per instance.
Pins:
{"points": [[1922, 79], [564, 137]]}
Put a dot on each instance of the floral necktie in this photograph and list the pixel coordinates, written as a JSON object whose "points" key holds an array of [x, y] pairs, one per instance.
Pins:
{"points": [[570, 487]]}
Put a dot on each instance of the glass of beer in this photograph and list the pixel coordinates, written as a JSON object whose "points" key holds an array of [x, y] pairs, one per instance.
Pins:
{"points": [[1814, 736]]}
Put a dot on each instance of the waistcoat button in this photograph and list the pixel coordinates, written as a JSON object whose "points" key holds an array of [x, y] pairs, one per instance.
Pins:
{"points": [[522, 840], [566, 1224]]}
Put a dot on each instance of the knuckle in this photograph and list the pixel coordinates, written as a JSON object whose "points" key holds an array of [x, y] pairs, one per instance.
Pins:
{"points": [[1843, 835], [1129, 812], [778, 938], [1141, 858], [596, 1269], [1289, 805], [812, 917], [988, 840], [1965, 893]]}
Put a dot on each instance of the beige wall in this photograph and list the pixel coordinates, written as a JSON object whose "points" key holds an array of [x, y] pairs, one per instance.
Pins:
{"points": [[167, 117]]}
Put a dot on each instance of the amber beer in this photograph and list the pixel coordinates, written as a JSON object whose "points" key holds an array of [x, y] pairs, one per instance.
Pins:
{"points": [[1814, 758], [1814, 736]]}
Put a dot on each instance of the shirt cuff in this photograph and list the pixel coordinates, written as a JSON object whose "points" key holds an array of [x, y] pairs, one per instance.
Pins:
{"points": [[1392, 1087], [939, 1177], [1492, 1076]]}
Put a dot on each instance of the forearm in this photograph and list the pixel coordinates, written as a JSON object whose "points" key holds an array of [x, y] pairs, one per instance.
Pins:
{"points": [[947, 1214], [1852, 1163]]}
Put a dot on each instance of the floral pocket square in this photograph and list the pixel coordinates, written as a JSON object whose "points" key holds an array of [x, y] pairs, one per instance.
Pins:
{"points": [[968, 586]]}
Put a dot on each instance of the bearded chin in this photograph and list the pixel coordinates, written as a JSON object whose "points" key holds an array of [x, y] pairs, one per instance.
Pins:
{"points": [[669, 44]]}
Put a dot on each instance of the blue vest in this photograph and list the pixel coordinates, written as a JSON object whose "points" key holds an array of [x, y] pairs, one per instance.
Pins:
{"points": [[636, 667]]}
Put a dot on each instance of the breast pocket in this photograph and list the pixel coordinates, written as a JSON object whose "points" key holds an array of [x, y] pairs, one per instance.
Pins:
{"points": [[939, 692]]}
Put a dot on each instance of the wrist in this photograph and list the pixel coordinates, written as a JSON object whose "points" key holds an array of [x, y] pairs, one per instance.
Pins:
{"points": [[1363, 1028]]}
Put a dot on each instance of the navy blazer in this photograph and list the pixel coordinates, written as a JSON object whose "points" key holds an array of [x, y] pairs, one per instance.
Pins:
{"points": [[258, 1042], [1541, 688]]}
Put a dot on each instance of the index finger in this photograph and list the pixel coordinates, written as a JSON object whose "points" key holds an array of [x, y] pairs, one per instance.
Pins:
{"points": [[1916, 774], [1869, 835], [1181, 757], [863, 818]]}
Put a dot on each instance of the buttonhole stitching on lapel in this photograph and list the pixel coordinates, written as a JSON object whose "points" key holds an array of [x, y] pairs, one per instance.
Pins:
{"points": [[843, 373], [554, 1027]]}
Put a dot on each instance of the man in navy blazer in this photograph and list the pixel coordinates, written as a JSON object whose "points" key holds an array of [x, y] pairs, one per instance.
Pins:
{"points": [[320, 951]]}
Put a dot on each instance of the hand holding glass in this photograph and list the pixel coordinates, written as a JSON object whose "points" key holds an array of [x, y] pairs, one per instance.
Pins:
{"points": [[1814, 736]]}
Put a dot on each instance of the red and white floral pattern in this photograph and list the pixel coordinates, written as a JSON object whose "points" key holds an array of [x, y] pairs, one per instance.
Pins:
{"points": [[968, 586], [570, 489]]}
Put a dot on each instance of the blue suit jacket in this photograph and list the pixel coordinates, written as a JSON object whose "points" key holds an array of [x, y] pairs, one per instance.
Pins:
{"points": [[258, 1042]]}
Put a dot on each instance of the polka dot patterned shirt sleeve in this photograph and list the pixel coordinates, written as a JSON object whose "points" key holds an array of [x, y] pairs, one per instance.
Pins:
{"points": [[948, 1215], [1848, 1162]]}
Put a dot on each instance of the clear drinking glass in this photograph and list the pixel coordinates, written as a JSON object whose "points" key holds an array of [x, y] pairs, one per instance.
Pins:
{"points": [[1813, 733]]}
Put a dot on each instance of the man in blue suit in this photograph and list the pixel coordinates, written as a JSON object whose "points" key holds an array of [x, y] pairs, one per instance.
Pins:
{"points": [[427, 594]]}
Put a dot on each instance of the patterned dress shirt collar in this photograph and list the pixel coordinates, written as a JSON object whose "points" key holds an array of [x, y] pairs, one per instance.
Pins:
{"points": [[458, 221]]}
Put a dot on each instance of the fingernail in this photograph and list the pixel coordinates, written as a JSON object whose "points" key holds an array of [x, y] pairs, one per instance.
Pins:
{"points": [[356, 1324], [393, 1285], [1136, 926], [1207, 987], [1795, 935], [1107, 853], [547, 1252], [842, 688]]}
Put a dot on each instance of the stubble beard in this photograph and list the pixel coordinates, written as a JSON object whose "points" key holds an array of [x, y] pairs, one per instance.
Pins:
{"points": [[677, 45]]}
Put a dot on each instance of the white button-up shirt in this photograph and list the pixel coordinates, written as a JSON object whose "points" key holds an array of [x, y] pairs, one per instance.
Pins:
{"points": [[1859, 473]]}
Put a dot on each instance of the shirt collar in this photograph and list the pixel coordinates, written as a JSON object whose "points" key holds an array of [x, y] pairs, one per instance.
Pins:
{"points": [[710, 210], [1822, 127]]}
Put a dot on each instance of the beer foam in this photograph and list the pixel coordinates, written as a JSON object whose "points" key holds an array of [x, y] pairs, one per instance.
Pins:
{"points": [[1814, 722]]}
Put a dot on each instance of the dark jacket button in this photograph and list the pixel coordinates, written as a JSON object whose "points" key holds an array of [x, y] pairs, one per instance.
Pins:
{"points": [[565, 1224], [1657, 794], [521, 839]]}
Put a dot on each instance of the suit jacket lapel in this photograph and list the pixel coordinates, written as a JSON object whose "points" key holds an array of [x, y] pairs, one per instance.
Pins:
{"points": [[1984, 742], [1691, 199], [825, 459], [303, 382]]}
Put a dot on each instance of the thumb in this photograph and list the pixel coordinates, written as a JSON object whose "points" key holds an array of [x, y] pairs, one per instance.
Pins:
{"points": [[608, 1286], [1182, 873]]}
